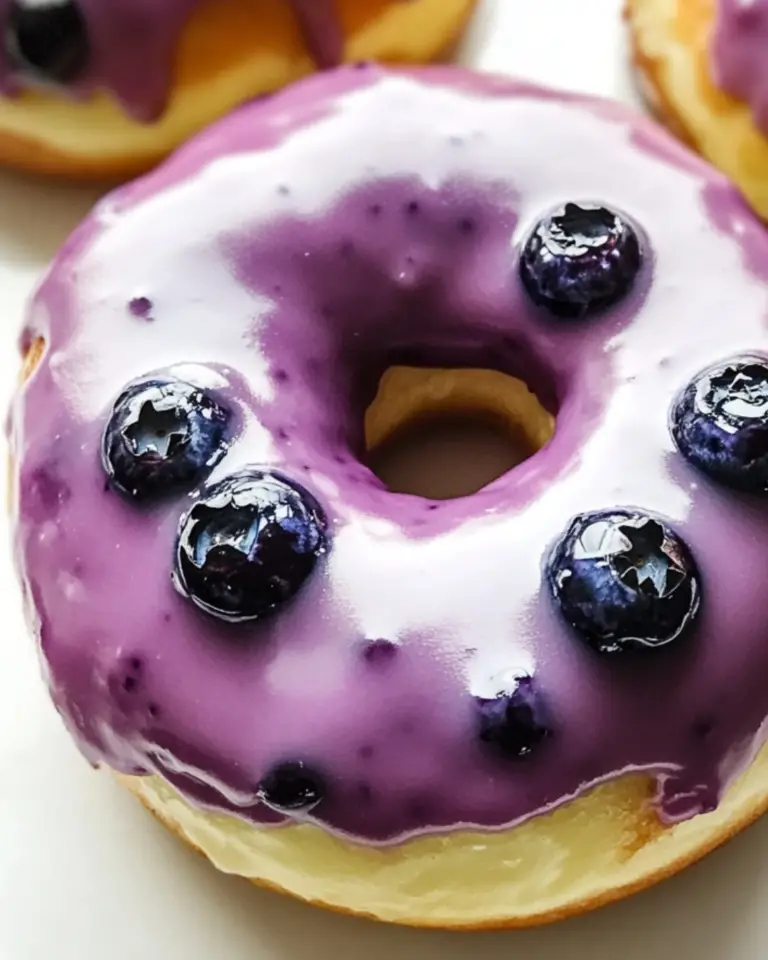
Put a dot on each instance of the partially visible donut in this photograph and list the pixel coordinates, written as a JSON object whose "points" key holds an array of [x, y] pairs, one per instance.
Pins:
{"points": [[97, 88], [704, 67], [488, 711]]}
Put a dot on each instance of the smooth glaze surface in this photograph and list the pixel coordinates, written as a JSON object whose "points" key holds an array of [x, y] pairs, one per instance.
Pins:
{"points": [[125, 33], [286, 258], [739, 53]]}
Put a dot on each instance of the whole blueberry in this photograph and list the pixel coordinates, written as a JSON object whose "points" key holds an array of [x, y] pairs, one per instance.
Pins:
{"points": [[512, 718], [292, 786], [624, 581], [249, 545], [580, 258], [47, 40], [162, 435], [720, 423]]}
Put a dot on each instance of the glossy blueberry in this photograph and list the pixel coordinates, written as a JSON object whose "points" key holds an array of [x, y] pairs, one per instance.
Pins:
{"points": [[580, 258], [720, 423], [623, 580], [249, 545], [291, 787], [162, 435], [513, 718], [48, 40]]}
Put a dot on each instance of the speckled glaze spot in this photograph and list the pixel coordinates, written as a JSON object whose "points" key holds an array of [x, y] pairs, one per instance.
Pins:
{"points": [[423, 676], [379, 652], [47, 492], [141, 308]]}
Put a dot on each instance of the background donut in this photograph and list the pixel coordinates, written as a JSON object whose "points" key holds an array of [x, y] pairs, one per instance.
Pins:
{"points": [[680, 48], [229, 51]]}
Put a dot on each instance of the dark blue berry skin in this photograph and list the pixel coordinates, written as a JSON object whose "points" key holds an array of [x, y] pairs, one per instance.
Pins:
{"points": [[48, 41], [624, 581], [162, 436], [579, 259], [292, 787], [514, 720], [720, 423], [249, 545]]}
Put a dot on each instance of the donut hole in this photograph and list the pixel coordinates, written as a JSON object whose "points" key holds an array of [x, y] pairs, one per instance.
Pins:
{"points": [[447, 433]]}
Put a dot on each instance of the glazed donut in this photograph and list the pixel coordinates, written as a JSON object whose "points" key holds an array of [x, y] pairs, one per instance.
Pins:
{"points": [[492, 710], [705, 72], [95, 89]]}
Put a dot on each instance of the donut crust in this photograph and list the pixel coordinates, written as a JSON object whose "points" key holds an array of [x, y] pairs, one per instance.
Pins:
{"points": [[231, 51], [624, 804], [670, 43]]}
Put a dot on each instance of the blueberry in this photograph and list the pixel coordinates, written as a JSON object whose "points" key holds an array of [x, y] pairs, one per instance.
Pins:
{"points": [[580, 258], [720, 423], [623, 580], [513, 718], [162, 435], [292, 786], [249, 545], [47, 40]]}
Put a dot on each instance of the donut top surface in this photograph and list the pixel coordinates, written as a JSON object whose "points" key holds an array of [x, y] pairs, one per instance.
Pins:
{"points": [[225, 595], [125, 46], [739, 52]]}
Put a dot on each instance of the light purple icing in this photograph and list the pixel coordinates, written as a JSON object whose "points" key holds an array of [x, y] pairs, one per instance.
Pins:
{"points": [[134, 42], [740, 54], [285, 258]]}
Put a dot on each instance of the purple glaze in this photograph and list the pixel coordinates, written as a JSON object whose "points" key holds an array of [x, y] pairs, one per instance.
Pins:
{"points": [[740, 60], [134, 42], [287, 265]]}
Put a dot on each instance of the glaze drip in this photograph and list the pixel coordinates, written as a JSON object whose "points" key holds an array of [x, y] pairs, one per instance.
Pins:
{"points": [[133, 48], [321, 29], [287, 266], [739, 56]]}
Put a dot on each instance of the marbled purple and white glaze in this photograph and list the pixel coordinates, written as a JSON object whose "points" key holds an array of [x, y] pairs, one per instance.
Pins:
{"points": [[133, 46], [740, 54], [288, 256]]}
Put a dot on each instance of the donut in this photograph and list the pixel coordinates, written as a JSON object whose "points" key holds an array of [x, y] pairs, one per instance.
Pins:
{"points": [[486, 711], [704, 71], [74, 103]]}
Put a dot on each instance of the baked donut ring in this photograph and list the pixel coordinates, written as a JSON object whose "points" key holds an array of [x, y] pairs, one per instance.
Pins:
{"points": [[705, 72], [144, 75], [488, 711]]}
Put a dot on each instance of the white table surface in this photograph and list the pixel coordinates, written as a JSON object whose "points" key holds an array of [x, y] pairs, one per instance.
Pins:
{"points": [[86, 874]]}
